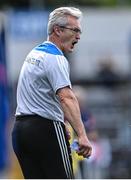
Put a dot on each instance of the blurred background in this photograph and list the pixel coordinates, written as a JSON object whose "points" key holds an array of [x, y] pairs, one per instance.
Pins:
{"points": [[100, 73]]}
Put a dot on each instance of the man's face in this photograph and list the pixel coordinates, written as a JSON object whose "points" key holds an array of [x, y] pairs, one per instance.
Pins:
{"points": [[70, 34]]}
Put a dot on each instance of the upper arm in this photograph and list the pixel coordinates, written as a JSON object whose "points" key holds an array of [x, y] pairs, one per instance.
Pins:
{"points": [[58, 72]]}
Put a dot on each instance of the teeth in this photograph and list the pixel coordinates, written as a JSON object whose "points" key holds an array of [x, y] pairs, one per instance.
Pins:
{"points": [[75, 42]]}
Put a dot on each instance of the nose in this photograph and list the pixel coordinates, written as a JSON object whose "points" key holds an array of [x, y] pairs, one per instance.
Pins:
{"points": [[78, 36]]}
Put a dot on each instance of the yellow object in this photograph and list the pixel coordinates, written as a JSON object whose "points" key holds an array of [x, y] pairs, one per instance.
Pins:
{"points": [[76, 158], [15, 170]]}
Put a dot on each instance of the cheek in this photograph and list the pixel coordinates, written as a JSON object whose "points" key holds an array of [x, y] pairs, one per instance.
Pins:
{"points": [[68, 38]]}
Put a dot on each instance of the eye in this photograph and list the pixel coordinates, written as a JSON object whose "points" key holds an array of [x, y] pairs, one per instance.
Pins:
{"points": [[77, 30]]}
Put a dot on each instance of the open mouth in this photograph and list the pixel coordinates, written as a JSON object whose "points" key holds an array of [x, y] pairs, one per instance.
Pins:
{"points": [[73, 43]]}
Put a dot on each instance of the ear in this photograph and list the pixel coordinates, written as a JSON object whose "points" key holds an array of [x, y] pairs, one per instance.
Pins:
{"points": [[57, 30]]}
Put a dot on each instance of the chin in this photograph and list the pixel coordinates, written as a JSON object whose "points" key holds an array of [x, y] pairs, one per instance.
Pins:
{"points": [[71, 49], [68, 51]]}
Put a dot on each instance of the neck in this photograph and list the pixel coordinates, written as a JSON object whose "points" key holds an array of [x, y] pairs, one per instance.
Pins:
{"points": [[56, 41]]}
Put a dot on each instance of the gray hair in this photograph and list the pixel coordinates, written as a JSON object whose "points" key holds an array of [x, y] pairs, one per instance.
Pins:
{"points": [[59, 17]]}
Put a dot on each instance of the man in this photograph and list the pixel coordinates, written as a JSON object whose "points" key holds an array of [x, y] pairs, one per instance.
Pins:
{"points": [[44, 98]]}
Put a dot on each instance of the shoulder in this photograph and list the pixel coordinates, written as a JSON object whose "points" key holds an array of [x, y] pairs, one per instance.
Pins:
{"points": [[49, 48]]}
